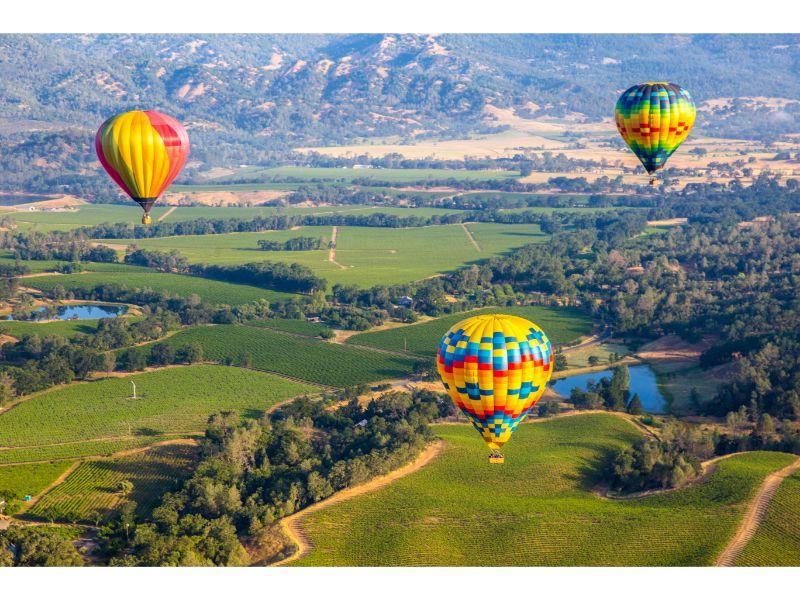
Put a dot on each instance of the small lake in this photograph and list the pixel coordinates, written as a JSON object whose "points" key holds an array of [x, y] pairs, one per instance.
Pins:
{"points": [[75, 312], [643, 382]]}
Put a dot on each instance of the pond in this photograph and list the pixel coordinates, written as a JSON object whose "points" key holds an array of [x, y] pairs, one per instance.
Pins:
{"points": [[643, 382], [74, 312]]}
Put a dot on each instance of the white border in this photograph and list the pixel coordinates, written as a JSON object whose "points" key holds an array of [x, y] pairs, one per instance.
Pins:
{"points": [[421, 16], [399, 583]]}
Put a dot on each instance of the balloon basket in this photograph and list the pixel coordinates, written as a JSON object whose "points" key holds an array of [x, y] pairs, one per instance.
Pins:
{"points": [[652, 181], [496, 459], [146, 220]]}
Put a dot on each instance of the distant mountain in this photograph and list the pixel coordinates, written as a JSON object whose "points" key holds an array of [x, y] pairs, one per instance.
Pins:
{"points": [[324, 88], [246, 97]]}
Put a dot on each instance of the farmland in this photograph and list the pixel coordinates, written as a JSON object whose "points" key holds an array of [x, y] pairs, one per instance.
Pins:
{"points": [[170, 400], [349, 175], [561, 325], [366, 256], [22, 480], [216, 292], [83, 215], [334, 365], [537, 509], [298, 326], [777, 540], [67, 328], [96, 448], [93, 486]]}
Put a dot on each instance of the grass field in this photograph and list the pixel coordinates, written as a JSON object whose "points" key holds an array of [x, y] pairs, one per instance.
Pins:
{"points": [[215, 292], [66, 329], [335, 365], [85, 215], [22, 480], [93, 486], [91, 448], [537, 509], [366, 256], [560, 324], [171, 400], [348, 175], [777, 540], [298, 326]]}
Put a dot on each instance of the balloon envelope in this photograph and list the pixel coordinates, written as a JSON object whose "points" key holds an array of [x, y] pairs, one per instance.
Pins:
{"points": [[143, 151], [654, 118], [495, 368]]}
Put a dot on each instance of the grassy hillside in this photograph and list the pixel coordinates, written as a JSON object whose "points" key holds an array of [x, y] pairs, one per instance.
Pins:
{"points": [[93, 486], [366, 256], [536, 509], [64, 328], [777, 540], [330, 364], [560, 324], [28, 455], [170, 400], [217, 292], [22, 480]]}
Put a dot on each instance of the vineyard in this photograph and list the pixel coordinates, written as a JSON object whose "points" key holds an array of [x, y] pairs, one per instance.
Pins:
{"points": [[21, 480], [334, 365], [367, 256], [538, 509], [298, 326], [209, 290], [34, 454], [170, 400], [65, 328], [561, 325], [777, 540], [93, 489]]}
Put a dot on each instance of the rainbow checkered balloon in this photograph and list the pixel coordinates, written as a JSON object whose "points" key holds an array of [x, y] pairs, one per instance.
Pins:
{"points": [[654, 118], [495, 368]]}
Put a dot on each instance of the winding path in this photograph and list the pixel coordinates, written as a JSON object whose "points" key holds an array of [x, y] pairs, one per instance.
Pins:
{"points": [[292, 524], [755, 514]]}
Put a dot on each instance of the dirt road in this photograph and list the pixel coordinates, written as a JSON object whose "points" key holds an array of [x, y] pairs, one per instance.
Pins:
{"points": [[471, 237], [755, 514], [332, 251], [293, 523], [166, 214]]}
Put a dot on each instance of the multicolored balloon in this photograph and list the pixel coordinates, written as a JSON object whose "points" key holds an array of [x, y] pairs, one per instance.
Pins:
{"points": [[143, 151], [654, 118], [495, 368]]}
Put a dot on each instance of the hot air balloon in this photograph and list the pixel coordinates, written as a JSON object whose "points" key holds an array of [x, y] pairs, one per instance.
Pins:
{"points": [[143, 151], [495, 368], [654, 118]]}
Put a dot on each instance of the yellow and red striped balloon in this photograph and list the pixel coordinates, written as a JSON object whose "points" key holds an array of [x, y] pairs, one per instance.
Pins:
{"points": [[143, 151], [495, 368]]}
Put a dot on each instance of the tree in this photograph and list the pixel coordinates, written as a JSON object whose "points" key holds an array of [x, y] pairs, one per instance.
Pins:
{"points": [[593, 360], [7, 391], [162, 353], [635, 406], [108, 362], [189, 353], [124, 488], [132, 359], [559, 361], [694, 400]]}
